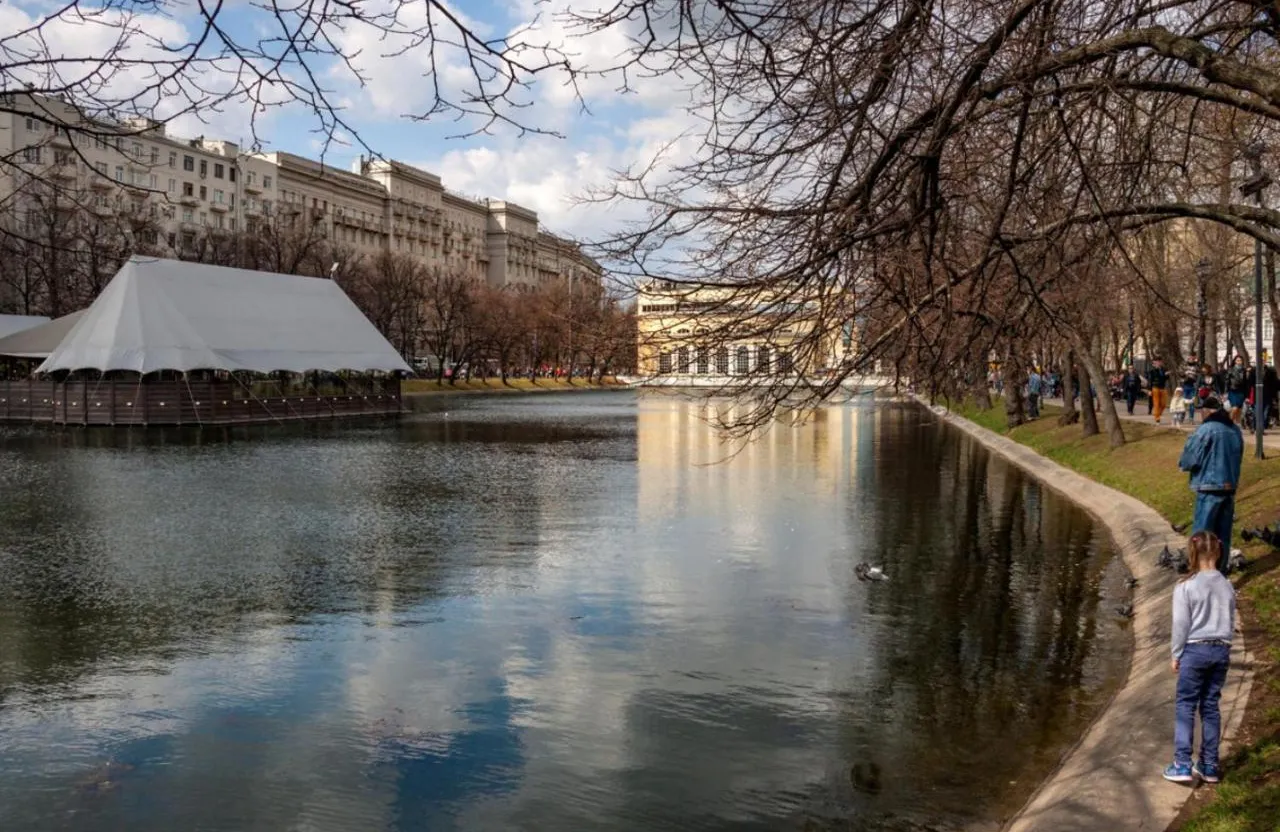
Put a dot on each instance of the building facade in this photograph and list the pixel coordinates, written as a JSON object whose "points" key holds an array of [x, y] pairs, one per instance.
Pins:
{"points": [[693, 331], [173, 190]]}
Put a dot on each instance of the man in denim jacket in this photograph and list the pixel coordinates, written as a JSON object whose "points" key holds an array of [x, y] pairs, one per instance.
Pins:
{"points": [[1212, 457]]}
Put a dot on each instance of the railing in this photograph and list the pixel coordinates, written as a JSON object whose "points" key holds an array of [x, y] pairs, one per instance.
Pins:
{"points": [[130, 402]]}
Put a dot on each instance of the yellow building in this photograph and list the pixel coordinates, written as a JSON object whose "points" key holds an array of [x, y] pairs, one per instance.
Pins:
{"points": [[689, 332]]}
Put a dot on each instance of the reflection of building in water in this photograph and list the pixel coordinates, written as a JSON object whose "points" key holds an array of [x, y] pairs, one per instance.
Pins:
{"points": [[690, 331], [685, 460]]}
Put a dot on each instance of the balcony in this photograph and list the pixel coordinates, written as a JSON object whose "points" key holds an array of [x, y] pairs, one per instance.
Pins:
{"points": [[101, 182], [66, 173], [220, 207], [252, 188]]}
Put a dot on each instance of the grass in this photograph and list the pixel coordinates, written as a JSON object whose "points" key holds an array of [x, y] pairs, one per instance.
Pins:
{"points": [[430, 385], [1146, 467]]}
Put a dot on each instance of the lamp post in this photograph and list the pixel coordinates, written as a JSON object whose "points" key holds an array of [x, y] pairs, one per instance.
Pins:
{"points": [[1130, 348], [1202, 303], [1258, 180]]}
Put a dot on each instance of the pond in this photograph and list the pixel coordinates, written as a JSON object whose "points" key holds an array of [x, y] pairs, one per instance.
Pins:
{"points": [[558, 611]]}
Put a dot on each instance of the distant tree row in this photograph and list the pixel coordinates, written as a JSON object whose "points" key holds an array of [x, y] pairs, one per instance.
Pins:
{"points": [[57, 253]]}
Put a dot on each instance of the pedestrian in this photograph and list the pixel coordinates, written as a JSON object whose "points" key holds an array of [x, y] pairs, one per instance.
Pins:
{"points": [[1204, 611], [1158, 382], [1178, 408], [1212, 457], [1035, 386], [1131, 386], [1237, 384]]}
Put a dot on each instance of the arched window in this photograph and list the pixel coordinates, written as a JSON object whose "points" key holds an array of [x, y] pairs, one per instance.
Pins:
{"points": [[682, 360], [722, 361], [784, 361], [762, 359], [664, 363], [704, 361], [743, 361]]}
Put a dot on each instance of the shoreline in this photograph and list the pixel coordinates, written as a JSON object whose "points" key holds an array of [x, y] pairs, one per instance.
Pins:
{"points": [[1110, 778]]}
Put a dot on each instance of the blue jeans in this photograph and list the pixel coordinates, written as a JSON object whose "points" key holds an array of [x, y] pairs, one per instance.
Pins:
{"points": [[1215, 512], [1201, 674]]}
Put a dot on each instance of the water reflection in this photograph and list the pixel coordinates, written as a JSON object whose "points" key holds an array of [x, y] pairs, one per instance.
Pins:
{"points": [[581, 611]]}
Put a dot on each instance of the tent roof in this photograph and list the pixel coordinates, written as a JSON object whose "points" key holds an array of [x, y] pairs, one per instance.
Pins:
{"points": [[39, 341], [167, 315], [10, 324]]}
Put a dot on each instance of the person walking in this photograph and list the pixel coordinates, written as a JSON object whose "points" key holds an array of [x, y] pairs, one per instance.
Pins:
{"points": [[1131, 386], [1212, 456], [1158, 382], [1237, 384], [1204, 612], [1035, 386]]}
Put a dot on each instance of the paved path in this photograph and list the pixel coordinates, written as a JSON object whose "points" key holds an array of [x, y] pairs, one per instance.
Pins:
{"points": [[1270, 439], [1111, 779]]}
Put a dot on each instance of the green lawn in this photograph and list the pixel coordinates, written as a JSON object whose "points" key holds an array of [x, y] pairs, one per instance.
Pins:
{"points": [[421, 385], [1248, 800]]}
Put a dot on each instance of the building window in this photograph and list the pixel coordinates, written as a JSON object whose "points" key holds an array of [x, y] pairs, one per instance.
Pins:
{"points": [[217, 196], [155, 182], [61, 157], [784, 361], [155, 155], [119, 174], [204, 192], [137, 150], [173, 159], [31, 154], [232, 221], [204, 167], [187, 215], [266, 207], [762, 358], [743, 361], [188, 163], [704, 361], [219, 221], [31, 124], [682, 360], [101, 167], [233, 199], [188, 189], [204, 218], [250, 177], [231, 174], [722, 361], [664, 363], [217, 171], [173, 186], [266, 181]]}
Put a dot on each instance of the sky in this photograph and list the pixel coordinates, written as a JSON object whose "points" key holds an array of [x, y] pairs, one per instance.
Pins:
{"points": [[600, 133]]}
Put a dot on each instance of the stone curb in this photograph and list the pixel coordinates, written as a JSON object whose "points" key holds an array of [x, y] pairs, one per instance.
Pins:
{"points": [[1111, 779]]}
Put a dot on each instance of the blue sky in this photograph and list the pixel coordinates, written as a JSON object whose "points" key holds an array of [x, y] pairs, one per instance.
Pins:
{"points": [[542, 172]]}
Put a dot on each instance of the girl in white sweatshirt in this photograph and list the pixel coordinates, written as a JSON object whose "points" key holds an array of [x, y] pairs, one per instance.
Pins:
{"points": [[1204, 612]]}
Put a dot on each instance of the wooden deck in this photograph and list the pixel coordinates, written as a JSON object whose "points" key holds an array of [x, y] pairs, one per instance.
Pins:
{"points": [[129, 402]]}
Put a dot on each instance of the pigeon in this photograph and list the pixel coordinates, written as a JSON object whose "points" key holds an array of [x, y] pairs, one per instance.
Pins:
{"points": [[1237, 562], [1179, 527], [1165, 559], [1125, 610], [1181, 563], [1130, 582], [867, 572]]}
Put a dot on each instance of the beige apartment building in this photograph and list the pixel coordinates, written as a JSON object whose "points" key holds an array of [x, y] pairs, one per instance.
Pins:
{"points": [[188, 187], [689, 331]]}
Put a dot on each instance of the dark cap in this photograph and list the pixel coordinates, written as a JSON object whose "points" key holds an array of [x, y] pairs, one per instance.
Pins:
{"points": [[1211, 402]]}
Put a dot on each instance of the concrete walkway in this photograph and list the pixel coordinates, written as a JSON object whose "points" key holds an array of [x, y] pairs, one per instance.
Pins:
{"points": [[1270, 439], [1111, 779]]}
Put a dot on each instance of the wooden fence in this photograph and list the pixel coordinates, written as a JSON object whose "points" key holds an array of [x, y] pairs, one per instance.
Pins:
{"points": [[130, 402]]}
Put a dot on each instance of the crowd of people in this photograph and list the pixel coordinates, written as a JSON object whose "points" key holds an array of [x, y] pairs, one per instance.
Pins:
{"points": [[1182, 394]]}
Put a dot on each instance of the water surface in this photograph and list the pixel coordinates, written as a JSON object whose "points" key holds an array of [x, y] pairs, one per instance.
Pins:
{"points": [[577, 611]]}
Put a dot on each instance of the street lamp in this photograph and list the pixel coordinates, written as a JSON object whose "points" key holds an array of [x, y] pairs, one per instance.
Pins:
{"points": [[1202, 304], [1258, 180]]}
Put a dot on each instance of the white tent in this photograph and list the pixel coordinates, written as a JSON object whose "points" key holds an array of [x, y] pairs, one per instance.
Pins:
{"points": [[38, 341], [9, 324], [168, 315]]}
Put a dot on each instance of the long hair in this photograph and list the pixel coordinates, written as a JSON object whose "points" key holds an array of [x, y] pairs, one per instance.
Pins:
{"points": [[1203, 550]]}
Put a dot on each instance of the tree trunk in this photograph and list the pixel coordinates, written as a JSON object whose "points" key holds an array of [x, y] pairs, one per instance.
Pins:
{"points": [[1088, 416], [1014, 377], [1069, 413], [981, 392], [1273, 301], [1110, 418]]}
